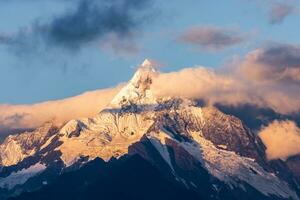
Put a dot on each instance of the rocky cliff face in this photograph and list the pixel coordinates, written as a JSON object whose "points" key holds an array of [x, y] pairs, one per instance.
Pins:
{"points": [[199, 148], [293, 164]]}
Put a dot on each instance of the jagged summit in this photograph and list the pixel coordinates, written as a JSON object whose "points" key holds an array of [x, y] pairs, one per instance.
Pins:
{"points": [[147, 62], [138, 89], [144, 72]]}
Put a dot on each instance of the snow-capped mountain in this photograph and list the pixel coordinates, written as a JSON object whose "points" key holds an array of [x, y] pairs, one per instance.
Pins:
{"points": [[199, 148]]}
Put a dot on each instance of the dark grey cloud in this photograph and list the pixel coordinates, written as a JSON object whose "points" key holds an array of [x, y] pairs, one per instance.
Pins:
{"points": [[279, 11], [90, 21], [211, 38], [93, 19]]}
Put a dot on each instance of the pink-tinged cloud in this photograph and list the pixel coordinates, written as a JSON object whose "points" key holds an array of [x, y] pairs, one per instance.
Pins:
{"points": [[211, 38], [266, 77], [282, 139], [274, 63]]}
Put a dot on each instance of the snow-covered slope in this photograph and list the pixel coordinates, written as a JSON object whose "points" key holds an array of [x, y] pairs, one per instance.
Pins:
{"points": [[17, 147], [137, 91], [179, 135]]}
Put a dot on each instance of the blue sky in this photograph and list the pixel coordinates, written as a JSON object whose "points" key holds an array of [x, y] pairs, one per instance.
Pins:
{"points": [[45, 71]]}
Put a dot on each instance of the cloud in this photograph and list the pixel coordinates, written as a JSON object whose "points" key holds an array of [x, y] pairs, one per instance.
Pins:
{"points": [[279, 11], [282, 139], [267, 77], [206, 84], [93, 19], [31, 116], [89, 22], [197, 82], [211, 38], [274, 63]]}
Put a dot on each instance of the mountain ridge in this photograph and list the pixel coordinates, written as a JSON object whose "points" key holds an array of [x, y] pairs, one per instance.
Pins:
{"points": [[173, 134]]}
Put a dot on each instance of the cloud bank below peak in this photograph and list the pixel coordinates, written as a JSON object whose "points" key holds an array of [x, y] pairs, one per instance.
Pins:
{"points": [[14, 117]]}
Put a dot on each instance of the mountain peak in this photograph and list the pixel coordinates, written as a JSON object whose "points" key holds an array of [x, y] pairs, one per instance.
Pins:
{"points": [[144, 72], [148, 63], [137, 90]]}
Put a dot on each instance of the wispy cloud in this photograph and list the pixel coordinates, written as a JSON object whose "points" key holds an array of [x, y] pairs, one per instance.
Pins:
{"points": [[211, 38], [124, 47], [279, 11]]}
